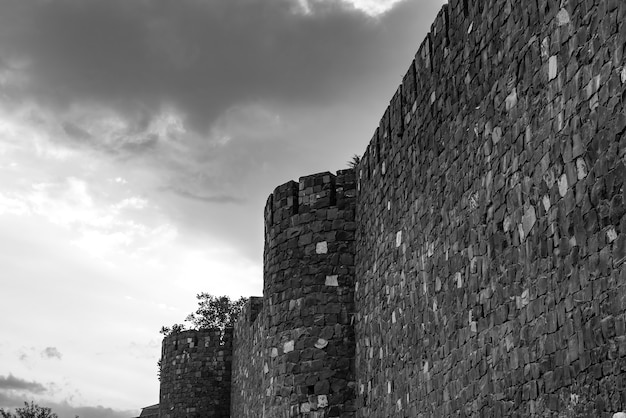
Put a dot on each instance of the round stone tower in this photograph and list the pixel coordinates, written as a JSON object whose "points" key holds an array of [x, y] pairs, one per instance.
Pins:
{"points": [[196, 374], [308, 297]]}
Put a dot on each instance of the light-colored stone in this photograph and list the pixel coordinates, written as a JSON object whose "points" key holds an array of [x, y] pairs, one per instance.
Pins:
{"points": [[552, 67], [398, 238], [321, 343], [511, 100], [563, 186], [611, 234], [322, 401], [529, 219], [506, 224], [496, 135], [581, 168], [289, 346], [525, 298], [332, 280], [572, 241], [546, 202], [562, 17], [321, 247]]}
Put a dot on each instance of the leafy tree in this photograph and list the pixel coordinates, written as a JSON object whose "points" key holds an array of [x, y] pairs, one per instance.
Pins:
{"points": [[354, 161], [29, 411], [214, 312], [173, 329]]}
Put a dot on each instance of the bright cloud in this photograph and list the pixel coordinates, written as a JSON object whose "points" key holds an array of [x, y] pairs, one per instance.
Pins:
{"points": [[373, 7]]}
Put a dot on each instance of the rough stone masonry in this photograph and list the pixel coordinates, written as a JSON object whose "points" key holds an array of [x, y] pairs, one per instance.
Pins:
{"points": [[474, 263]]}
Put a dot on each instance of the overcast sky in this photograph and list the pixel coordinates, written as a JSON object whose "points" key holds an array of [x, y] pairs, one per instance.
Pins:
{"points": [[139, 140]]}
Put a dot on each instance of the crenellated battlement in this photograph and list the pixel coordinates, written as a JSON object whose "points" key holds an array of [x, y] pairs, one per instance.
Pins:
{"points": [[179, 341], [308, 288], [316, 191], [196, 364], [250, 310]]}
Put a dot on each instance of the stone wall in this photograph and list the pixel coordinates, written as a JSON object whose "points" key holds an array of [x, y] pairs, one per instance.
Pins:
{"points": [[196, 374], [490, 274], [302, 356], [481, 268], [249, 359]]}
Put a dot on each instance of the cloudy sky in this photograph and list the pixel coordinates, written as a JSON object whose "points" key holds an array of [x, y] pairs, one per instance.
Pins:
{"points": [[139, 140]]}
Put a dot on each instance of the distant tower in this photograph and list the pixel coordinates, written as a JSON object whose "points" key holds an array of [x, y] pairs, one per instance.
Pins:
{"points": [[196, 374], [308, 297]]}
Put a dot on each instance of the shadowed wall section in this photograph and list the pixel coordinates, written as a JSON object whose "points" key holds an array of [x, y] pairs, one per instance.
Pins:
{"points": [[249, 359], [305, 349], [491, 231], [196, 374]]}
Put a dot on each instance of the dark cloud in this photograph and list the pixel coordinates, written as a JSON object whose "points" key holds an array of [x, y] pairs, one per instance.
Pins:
{"points": [[14, 391], [75, 132], [200, 56], [64, 409], [260, 92], [51, 352], [11, 382], [209, 199]]}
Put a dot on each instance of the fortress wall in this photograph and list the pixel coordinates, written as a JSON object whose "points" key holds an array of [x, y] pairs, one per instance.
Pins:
{"points": [[308, 351], [196, 374], [249, 348], [491, 240], [475, 262]]}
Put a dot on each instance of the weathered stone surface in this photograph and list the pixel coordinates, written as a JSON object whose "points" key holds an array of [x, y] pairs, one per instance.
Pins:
{"points": [[304, 335], [506, 293], [196, 374], [474, 264]]}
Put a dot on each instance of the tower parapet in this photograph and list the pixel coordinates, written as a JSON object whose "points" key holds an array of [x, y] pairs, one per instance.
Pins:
{"points": [[308, 296], [196, 374]]}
